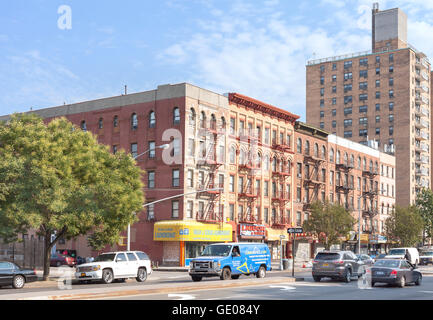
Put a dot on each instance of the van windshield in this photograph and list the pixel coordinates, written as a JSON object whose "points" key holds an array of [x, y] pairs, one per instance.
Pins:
{"points": [[397, 252], [217, 250]]}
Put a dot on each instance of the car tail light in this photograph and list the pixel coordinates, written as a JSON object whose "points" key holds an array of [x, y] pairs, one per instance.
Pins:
{"points": [[394, 273], [315, 261], [339, 262]]}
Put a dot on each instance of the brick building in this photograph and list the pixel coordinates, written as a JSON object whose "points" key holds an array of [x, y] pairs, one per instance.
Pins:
{"points": [[233, 157], [368, 95]]}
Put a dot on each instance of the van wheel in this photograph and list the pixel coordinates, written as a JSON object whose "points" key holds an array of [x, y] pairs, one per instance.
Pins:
{"points": [[141, 275], [196, 278], [317, 279], [261, 273], [226, 274]]}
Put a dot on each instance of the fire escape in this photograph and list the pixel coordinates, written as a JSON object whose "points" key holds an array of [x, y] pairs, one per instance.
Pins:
{"points": [[247, 169], [343, 185], [311, 179], [211, 164], [369, 194], [280, 194]]}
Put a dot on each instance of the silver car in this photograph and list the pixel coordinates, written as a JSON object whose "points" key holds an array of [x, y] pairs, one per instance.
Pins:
{"points": [[341, 265]]}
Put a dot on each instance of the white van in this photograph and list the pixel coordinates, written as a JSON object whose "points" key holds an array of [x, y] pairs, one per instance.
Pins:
{"points": [[399, 253]]}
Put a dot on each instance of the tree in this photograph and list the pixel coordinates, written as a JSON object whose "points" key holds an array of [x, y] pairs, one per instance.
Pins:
{"points": [[424, 204], [404, 225], [57, 179], [328, 222]]}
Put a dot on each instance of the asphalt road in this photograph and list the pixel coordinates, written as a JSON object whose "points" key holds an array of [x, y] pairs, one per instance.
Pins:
{"points": [[306, 290]]}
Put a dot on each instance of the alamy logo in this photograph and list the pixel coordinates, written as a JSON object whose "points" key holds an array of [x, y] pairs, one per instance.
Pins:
{"points": [[65, 20]]}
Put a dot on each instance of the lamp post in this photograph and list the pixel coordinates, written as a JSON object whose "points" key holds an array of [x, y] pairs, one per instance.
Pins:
{"points": [[128, 243], [359, 225]]}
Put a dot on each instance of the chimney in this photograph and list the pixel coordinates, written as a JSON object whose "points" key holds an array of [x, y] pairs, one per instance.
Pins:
{"points": [[373, 25]]}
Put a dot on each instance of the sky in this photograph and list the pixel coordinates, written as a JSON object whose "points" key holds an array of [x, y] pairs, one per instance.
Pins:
{"points": [[60, 52]]}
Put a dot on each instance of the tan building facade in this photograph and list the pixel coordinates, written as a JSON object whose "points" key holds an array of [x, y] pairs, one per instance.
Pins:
{"points": [[381, 95]]}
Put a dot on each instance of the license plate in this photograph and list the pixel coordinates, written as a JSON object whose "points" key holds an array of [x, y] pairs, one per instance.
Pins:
{"points": [[326, 265], [380, 273], [83, 274]]}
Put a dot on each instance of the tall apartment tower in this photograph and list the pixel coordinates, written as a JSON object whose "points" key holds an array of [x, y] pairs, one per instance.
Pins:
{"points": [[381, 96]]}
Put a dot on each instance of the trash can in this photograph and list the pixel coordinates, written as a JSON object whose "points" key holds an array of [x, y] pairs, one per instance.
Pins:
{"points": [[285, 264]]}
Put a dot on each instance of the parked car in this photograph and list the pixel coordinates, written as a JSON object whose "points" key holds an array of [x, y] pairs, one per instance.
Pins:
{"points": [[394, 271], [368, 261], [58, 260], [15, 276], [380, 256], [342, 265], [400, 253], [116, 265], [231, 260], [426, 257]]}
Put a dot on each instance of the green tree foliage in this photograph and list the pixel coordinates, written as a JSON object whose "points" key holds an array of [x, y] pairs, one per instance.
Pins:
{"points": [[404, 225], [328, 222], [424, 204], [55, 178]]}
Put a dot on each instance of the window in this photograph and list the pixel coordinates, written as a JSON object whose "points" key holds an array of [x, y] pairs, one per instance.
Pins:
{"points": [[176, 146], [347, 87], [391, 69], [150, 212], [299, 145], [151, 179], [391, 118], [191, 147], [331, 155], [192, 117], [334, 89], [176, 115], [202, 120], [232, 155], [189, 209], [347, 99], [131, 256], [152, 119], [347, 134], [232, 126], [121, 257], [363, 109], [190, 178], [363, 121], [391, 130], [322, 103], [322, 125], [363, 132], [152, 152], [391, 94], [377, 119], [334, 78], [232, 183], [115, 122], [334, 66], [134, 121], [334, 101], [266, 188], [363, 62], [377, 130], [391, 82], [114, 149], [363, 85], [322, 80], [377, 59], [363, 97], [83, 125], [322, 68], [377, 94], [322, 114], [363, 73], [267, 137], [175, 209], [391, 57], [232, 211], [391, 106], [175, 178], [347, 123], [100, 123], [334, 112], [347, 76], [377, 106], [134, 150], [347, 64], [334, 123]]}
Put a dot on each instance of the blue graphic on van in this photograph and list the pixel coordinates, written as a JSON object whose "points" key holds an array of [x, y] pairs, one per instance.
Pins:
{"points": [[231, 260]]}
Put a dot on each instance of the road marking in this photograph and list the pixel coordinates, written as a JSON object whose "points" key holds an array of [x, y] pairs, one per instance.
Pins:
{"points": [[181, 296], [283, 288]]}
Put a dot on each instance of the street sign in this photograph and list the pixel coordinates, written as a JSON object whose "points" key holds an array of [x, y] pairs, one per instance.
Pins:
{"points": [[295, 230]]}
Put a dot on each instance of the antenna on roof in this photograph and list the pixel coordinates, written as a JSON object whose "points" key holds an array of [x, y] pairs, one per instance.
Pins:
{"points": [[126, 90]]}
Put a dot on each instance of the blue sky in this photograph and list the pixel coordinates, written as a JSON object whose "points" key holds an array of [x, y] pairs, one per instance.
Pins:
{"points": [[258, 48]]}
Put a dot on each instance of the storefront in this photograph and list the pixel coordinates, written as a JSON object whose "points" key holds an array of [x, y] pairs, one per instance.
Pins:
{"points": [[351, 243], [378, 244], [273, 241], [184, 240]]}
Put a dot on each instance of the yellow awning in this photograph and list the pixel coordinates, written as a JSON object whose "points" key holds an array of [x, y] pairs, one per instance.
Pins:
{"points": [[274, 234], [184, 230]]}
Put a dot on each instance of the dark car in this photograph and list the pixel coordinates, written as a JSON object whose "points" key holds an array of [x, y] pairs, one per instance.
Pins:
{"points": [[58, 260], [426, 257], [394, 271], [342, 265], [12, 275]]}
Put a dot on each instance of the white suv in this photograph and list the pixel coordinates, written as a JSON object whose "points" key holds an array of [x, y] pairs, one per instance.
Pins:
{"points": [[116, 265]]}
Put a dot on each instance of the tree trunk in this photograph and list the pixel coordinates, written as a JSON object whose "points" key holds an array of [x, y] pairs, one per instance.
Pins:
{"points": [[47, 257]]}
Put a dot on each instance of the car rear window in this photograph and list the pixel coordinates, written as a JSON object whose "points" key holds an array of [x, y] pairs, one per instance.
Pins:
{"points": [[142, 256], [327, 256]]}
